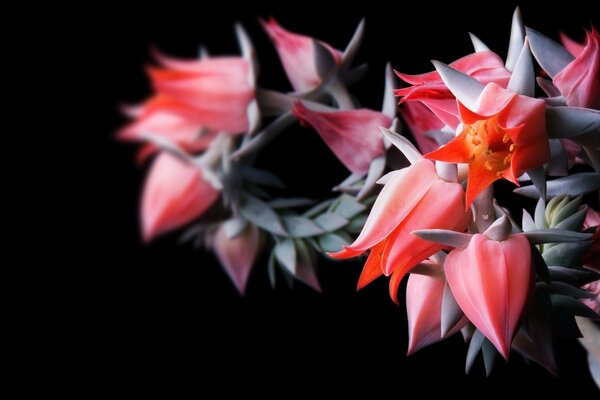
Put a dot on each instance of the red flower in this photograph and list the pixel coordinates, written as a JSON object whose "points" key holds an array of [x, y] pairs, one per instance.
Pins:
{"points": [[175, 193], [296, 53], [579, 81], [352, 135], [413, 198], [213, 93], [502, 137], [429, 88], [491, 281]]}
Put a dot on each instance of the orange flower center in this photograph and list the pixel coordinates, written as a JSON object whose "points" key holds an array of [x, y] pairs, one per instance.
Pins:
{"points": [[488, 142]]}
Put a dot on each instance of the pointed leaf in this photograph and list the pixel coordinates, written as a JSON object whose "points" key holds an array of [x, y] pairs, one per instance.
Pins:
{"points": [[411, 153], [567, 254], [541, 268], [265, 136], [474, 347], [319, 208], [465, 88], [573, 222], [300, 227], [522, 80], [540, 214], [552, 57], [357, 224], [577, 276], [538, 177], [559, 163], [331, 243], [445, 237], [285, 252], [572, 185], [572, 306], [376, 169], [564, 289], [451, 312], [389, 98], [330, 221], [348, 207], [478, 45], [490, 354], [354, 44], [517, 37], [260, 214], [271, 268], [305, 267], [528, 224], [540, 236], [568, 122]]}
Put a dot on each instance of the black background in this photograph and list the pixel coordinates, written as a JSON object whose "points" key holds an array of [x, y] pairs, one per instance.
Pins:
{"points": [[167, 311]]}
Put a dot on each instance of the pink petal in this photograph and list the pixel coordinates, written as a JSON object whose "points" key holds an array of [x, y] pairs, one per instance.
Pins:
{"points": [[237, 255], [421, 120], [572, 46], [442, 207], [214, 93], [491, 282], [353, 136], [175, 193], [399, 196], [579, 82], [296, 53], [424, 296]]}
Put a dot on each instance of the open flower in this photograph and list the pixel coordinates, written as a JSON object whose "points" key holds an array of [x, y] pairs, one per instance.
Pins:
{"points": [[503, 136], [213, 93], [237, 255], [352, 135], [175, 193], [579, 81], [430, 89], [413, 198], [491, 281], [296, 53]]}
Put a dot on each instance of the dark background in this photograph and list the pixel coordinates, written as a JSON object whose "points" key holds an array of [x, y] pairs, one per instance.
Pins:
{"points": [[167, 311]]}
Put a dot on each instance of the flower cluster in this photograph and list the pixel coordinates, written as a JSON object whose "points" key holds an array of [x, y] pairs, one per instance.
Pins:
{"points": [[471, 266]]}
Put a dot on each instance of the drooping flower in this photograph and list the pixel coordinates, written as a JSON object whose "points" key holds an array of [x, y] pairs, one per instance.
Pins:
{"points": [[430, 89], [214, 93], [503, 136], [420, 120], [185, 133], [413, 198], [237, 255], [579, 81], [491, 282], [352, 135], [296, 53], [175, 193], [424, 297]]}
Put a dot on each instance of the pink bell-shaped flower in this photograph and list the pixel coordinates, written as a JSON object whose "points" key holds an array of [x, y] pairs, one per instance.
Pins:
{"points": [[237, 255], [491, 281], [296, 53], [214, 93], [175, 193]]}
